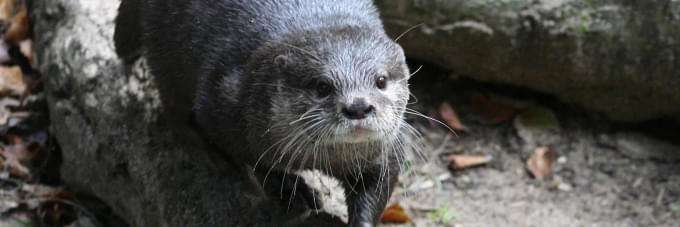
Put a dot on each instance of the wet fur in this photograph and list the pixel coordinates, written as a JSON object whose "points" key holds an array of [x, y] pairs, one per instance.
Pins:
{"points": [[244, 71]]}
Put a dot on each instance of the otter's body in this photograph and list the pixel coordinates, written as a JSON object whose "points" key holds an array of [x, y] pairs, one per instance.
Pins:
{"points": [[282, 85]]}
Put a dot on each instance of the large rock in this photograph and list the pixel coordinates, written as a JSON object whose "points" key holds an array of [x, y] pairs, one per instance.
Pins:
{"points": [[620, 58], [105, 116]]}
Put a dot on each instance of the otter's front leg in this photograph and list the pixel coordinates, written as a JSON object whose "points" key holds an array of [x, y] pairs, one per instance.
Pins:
{"points": [[368, 194], [285, 186]]}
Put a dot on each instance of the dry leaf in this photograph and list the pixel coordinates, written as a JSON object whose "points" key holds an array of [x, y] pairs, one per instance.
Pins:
{"points": [[395, 213], [26, 48], [450, 117], [11, 81], [540, 162], [20, 114], [10, 200], [16, 168], [465, 161], [7, 204], [492, 113], [20, 27], [13, 139], [18, 158], [7, 9], [57, 208], [38, 190], [5, 112], [4, 52]]}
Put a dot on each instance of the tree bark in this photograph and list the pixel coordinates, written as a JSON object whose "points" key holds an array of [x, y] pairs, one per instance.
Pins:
{"points": [[115, 145]]}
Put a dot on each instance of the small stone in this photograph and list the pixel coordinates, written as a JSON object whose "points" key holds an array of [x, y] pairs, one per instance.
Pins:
{"points": [[607, 168], [444, 176], [675, 207], [447, 186], [465, 179], [562, 160], [637, 182], [564, 187], [7, 204], [567, 173], [604, 202], [560, 186], [606, 141], [424, 185], [628, 196], [537, 126]]}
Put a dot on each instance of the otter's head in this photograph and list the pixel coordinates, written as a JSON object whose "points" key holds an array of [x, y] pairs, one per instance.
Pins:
{"points": [[333, 88]]}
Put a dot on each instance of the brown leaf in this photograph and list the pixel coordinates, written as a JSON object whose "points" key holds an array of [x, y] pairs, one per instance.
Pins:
{"points": [[11, 81], [39, 190], [26, 48], [465, 161], [20, 27], [57, 208], [540, 162], [54, 206], [13, 139], [395, 213], [19, 157], [492, 113], [7, 9], [450, 117], [37, 193]]}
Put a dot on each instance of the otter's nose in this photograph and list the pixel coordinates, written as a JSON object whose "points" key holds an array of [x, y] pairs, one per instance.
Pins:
{"points": [[358, 111]]}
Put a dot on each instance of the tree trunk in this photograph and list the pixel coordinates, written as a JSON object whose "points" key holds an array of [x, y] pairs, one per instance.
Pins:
{"points": [[115, 145]]}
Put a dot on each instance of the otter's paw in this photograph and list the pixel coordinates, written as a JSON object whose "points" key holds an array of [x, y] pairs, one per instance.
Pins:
{"points": [[292, 190], [312, 196]]}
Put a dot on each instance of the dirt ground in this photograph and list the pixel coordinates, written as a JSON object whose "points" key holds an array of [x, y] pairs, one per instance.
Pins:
{"points": [[606, 188], [604, 174]]}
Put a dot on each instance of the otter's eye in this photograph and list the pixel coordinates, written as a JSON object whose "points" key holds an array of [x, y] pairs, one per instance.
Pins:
{"points": [[381, 82], [323, 89]]}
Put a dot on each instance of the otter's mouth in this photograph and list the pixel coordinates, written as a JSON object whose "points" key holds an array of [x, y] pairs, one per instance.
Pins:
{"points": [[356, 134], [360, 132]]}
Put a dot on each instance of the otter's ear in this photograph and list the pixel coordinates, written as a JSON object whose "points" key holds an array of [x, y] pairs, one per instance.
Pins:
{"points": [[282, 62]]}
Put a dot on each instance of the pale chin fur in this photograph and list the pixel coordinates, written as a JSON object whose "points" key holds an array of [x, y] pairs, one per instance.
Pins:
{"points": [[355, 132], [352, 139]]}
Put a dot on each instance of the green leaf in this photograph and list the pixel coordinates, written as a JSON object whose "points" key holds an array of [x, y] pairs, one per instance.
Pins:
{"points": [[407, 165], [675, 207], [443, 215]]}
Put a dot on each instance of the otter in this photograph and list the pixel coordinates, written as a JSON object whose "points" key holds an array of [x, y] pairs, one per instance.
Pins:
{"points": [[281, 86]]}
